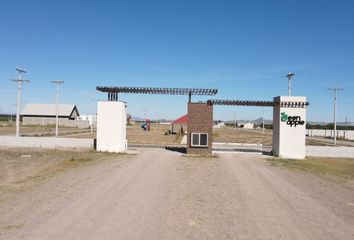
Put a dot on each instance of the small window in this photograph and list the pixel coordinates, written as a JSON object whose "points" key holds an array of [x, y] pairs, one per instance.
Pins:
{"points": [[199, 140], [195, 139], [203, 139]]}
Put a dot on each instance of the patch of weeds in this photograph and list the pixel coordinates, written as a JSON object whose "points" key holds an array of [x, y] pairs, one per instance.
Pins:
{"points": [[83, 159], [11, 227], [76, 161], [216, 134], [68, 160], [201, 157]]}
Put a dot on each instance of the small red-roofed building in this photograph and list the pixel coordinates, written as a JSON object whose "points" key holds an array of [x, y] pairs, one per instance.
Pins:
{"points": [[180, 124]]}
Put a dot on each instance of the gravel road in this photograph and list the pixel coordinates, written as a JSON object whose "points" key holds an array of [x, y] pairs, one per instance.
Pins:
{"points": [[159, 194]]}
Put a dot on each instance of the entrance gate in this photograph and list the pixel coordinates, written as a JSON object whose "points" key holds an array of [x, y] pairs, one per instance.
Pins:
{"points": [[237, 148], [111, 114], [289, 117]]}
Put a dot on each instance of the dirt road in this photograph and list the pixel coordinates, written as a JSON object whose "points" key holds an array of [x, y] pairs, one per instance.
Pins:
{"points": [[159, 194]]}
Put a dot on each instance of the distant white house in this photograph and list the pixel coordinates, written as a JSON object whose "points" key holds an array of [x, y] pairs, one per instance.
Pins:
{"points": [[248, 125], [91, 118], [68, 111], [45, 114], [219, 124]]}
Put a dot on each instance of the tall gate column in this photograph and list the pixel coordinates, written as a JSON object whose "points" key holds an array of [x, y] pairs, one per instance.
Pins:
{"points": [[111, 126], [289, 127], [200, 128]]}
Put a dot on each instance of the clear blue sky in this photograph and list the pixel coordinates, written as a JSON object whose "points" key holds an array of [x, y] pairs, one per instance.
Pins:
{"points": [[241, 48]]}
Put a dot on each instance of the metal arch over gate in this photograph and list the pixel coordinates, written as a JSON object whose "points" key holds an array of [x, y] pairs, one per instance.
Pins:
{"points": [[114, 91], [257, 103]]}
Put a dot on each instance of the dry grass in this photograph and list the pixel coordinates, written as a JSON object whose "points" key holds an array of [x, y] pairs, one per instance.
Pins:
{"points": [[22, 168], [239, 135], [338, 167], [135, 134], [10, 129], [11, 227]]}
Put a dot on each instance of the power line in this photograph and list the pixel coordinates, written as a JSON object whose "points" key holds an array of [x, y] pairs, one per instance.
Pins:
{"points": [[335, 90]]}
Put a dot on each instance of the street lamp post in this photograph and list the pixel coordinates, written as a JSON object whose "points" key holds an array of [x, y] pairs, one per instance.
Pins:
{"points": [[263, 122], [93, 99], [57, 106], [289, 76], [19, 80]]}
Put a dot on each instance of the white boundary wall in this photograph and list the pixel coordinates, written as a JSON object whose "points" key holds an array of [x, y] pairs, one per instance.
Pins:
{"points": [[325, 151], [346, 134], [63, 122], [45, 142], [111, 126], [289, 141]]}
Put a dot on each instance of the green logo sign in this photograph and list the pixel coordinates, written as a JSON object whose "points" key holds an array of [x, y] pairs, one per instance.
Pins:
{"points": [[291, 120], [284, 117]]}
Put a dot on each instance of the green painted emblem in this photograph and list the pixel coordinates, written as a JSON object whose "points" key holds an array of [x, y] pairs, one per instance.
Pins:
{"points": [[284, 117]]}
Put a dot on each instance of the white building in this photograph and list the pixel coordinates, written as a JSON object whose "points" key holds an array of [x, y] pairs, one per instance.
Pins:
{"points": [[219, 124], [45, 114], [91, 118], [248, 125]]}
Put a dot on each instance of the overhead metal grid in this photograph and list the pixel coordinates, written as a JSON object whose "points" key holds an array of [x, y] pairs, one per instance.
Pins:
{"points": [[153, 90], [241, 103], [258, 103], [292, 104]]}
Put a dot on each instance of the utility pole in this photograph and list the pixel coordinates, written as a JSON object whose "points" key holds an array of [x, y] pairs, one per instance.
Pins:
{"points": [[335, 90], [57, 106], [289, 76], [346, 128], [263, 122], [19, 80], [93, 99]]}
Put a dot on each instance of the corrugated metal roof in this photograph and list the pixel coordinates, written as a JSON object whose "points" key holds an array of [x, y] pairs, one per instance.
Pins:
{"points": [[41, 109]]}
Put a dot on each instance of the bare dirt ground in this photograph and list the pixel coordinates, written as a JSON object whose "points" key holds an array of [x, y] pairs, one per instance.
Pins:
{"points": [[135, 134], [158, 194], [239, 135], [24, 167]]}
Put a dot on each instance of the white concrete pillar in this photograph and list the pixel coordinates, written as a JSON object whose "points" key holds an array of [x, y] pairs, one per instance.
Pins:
{"points": [[289, 127], [111, 126]]}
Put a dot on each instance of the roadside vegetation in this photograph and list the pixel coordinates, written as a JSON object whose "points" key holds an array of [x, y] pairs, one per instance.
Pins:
{"points": [[339, 167], [24, 167]]}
